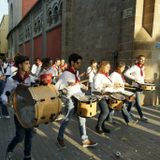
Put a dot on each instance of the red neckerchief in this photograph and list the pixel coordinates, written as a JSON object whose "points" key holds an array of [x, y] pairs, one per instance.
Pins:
{"points": [[119, 72], [63, 67], [106, 75], [19, 78], [72, 70], [140, 66]]}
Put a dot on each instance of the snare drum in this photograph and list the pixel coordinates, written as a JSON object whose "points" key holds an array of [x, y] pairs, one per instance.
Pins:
{"points": [[87, 106], [36, 105], [116, 101], [148, 87]]}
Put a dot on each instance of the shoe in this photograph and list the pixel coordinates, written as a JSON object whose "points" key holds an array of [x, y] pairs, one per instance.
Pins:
{"points": [[106, 130], [99, 130], [9, 156], [88, 143], [132, 123], [61, 142], [6, 117], [144, 119], [27, 158]]}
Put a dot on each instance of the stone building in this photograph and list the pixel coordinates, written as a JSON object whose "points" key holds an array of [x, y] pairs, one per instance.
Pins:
{"points": [[3, 36], [104, 29], [35, 28]]}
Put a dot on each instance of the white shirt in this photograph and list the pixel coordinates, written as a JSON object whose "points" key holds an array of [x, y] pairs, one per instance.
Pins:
{"points": [[10, 86], [36, 69], [63, 83], [117, 79], [91, 73], [101, 82], [134, 73]]}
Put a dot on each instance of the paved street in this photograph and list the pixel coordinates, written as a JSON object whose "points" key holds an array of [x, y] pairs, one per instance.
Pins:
{"points": [[139, 142]]}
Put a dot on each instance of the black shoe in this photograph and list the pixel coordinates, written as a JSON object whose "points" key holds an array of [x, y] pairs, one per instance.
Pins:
{"points": [[27, 157], [106, 130], [61, 142], [144, 119], [99, 130]]}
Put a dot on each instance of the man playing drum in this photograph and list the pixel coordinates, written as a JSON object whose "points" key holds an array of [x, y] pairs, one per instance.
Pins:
{"points": [[22, 76], [70, 82], [136, 74]]}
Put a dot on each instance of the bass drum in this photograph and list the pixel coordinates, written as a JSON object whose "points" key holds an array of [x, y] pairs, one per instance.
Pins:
{"points": [[36, 105]]}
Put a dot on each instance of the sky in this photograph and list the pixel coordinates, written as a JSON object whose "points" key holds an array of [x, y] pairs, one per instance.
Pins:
{"points": [[3, 8]]}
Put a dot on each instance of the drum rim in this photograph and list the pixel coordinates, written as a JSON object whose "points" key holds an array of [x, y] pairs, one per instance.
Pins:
{"points": [[112, 96]]}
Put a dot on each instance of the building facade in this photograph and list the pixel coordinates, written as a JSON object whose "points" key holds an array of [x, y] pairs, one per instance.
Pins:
{"points": [[3, 36], [37, 33], [105, 29]]}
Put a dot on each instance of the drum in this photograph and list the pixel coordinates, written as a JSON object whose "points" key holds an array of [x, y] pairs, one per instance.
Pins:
{"points": [[148, 87], [87, 106], [116, 101], [36, 105], [130, 96]]}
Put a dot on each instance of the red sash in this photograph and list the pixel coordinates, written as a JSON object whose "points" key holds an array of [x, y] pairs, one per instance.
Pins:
{"points": [[73, 71], [140, 66], [106, 75]]}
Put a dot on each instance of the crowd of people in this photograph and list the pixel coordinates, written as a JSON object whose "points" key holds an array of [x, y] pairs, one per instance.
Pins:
{"points": [[67, 80]]}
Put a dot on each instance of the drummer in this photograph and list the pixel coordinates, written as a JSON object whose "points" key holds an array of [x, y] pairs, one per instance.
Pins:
{"points": [[119, 83], [136, 74], [69, 84], [22, 76], [102, 83]]}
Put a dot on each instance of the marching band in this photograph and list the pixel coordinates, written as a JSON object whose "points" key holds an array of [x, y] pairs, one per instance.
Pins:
{"points": [[105, 91]]}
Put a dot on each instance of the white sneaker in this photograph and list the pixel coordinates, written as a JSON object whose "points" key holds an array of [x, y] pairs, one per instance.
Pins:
{"points": [[6, 117]]}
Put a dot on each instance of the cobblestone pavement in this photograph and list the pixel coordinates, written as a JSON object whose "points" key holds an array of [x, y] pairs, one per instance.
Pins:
{"points": [[137, 142]]}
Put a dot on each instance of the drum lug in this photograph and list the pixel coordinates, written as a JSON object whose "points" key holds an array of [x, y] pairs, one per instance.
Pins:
{"points": [[42, 100], [52, 116], [52, 98], [43, 117]]}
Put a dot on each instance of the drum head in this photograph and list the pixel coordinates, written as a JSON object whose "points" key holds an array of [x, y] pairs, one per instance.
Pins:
{"points": [[24, 106], [117, 96], [88, 98]]}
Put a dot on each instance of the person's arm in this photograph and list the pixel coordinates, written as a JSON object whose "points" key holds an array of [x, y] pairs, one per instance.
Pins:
{"points": [[129, 73], [10, 85]]}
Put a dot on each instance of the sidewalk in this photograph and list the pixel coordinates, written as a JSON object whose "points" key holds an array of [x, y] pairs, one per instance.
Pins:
{"points": [[139, 142]]}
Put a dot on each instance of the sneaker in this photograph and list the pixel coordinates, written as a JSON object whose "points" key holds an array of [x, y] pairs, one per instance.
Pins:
{"points": [[61, 142], [9, 156], [27, 158], [106, 130], [88, 143], [144, 119], [132, 123], [6, 117], [99, 130]]}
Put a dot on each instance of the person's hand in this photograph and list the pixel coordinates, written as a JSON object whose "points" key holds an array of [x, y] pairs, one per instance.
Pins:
{"points": [[82, 74], [84, 87]]}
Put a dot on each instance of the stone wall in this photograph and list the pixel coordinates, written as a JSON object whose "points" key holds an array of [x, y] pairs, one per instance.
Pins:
{"points": [[98, 29]]}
